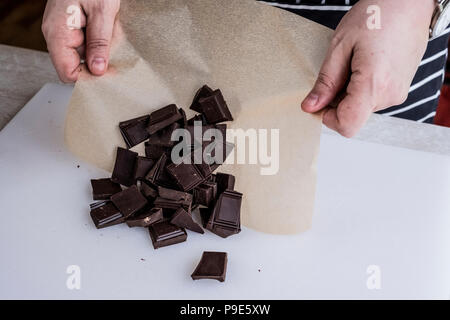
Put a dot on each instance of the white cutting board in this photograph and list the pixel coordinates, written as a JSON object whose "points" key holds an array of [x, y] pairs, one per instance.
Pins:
{"points": [[376, 205]]}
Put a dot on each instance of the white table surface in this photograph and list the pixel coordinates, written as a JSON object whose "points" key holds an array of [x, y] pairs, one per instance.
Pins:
{"points": [[376, 205]]}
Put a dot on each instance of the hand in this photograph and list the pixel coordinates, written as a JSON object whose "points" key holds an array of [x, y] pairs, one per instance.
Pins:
{"points": [[378, 65], [67, 46]]}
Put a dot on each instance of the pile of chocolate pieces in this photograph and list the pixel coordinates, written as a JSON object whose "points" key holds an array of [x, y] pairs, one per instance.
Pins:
{"points": [[155, 193]]}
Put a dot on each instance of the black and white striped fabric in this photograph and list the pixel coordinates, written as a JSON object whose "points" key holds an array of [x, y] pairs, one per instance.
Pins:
{"points": [[426, 87]]}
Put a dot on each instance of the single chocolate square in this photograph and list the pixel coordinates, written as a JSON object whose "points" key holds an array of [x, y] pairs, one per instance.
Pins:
{"points": [[124, 167], [105, 214], [134, 131], [215, 108], [205, 194], [146, 218], [103, 189], [155, 152], [203, 92], [183, 219], [225, 219], [163, 117], [187, 176], [129, 201], [142, 167], [212, 265], [165, 234], [224, 182]]}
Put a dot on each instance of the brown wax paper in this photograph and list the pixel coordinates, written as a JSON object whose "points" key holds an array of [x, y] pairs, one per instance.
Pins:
{"points": [[264, 60]]}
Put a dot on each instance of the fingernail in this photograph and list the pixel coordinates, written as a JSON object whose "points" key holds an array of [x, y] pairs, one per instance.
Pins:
{"points": [[311, 100], [98, 64]]}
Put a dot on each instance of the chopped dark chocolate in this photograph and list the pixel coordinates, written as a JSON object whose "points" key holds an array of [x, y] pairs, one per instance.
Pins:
{"points": [[158, 175], [148, 191], [225, 219], [142, 167], [134, 131], [170, 206], [203, 92], [105, 214], [146, 219], [212, 265], [155, 152], [163, 117], [129, 201], [205, 214], [187, 176], [198, 117], [215, 108], [103, 189], [183, 219], [163, 138], [205, 194], [165, 234], [124, 167], [174, 194], [224, 182]]}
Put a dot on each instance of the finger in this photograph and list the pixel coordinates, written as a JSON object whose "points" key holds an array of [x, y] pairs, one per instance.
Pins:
{"points": [[99, 29], [332, 77], [64, 55], [352, 112]]}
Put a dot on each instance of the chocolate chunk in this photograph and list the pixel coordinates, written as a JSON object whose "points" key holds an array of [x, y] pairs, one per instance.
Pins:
{"points": [[183, 219], [165, 234], [155, 152], [129, 201], [146, 218], [105, 214], [203, 92], [215, 108], [103, 189], [224, 182], [163, 138], [212, 265], [205, 194], [148, 191], [205, 214], [124, 167], [142, 167], [170, 205], [225, 219], [163, 117], [174, 195], [187, 176], [199, 117], [158, 175], [134, 131]]}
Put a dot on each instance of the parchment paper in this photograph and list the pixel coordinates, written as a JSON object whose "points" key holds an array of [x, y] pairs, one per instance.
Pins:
{"points": [[262, 58]]}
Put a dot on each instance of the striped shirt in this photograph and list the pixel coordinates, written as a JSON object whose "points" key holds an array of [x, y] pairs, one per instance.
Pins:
{"points": [[425, 90]]}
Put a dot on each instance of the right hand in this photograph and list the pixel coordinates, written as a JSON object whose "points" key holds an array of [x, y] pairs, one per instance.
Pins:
{"points": [[68, 46]]}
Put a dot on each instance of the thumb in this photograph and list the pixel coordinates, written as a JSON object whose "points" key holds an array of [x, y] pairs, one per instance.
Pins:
{"points": [[99, 29], [332, 77]]}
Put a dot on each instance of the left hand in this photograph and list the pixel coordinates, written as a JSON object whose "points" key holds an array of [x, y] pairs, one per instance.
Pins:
{"points": [[379, 65]]}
